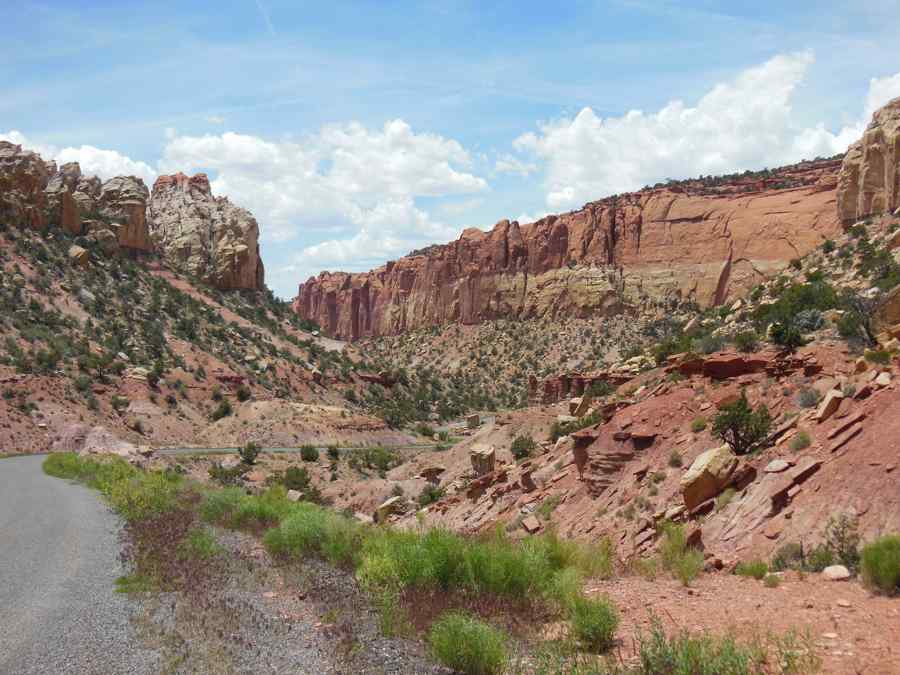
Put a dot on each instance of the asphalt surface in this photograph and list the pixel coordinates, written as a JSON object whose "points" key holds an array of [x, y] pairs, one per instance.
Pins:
{"points": [[59, 561]]}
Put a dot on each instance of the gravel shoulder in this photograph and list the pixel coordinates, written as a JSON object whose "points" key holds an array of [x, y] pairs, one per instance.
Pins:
{"points": [[59, 560]]}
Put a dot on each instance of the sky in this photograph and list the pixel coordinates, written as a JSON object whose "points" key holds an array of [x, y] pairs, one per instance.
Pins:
{"points": [[356, 132]]}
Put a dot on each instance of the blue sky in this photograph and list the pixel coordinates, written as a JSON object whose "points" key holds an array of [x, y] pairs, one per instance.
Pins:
{"points": [[357, 131]]}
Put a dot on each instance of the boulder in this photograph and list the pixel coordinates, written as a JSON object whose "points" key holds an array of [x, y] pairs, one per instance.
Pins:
{"points": [[829, 405], [709, 474], [531, 524], [836, 573], [483, 459], [389, 507], [294, 495], [473, 421], [80, 257]]}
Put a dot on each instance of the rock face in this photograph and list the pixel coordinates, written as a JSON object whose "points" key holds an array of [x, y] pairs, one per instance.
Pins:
{"points": [[207, 236], [869, 181], [23, 176], [690, 241]]}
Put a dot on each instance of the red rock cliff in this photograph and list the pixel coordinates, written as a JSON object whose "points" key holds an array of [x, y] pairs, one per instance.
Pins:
{"points": [[705, 241]]}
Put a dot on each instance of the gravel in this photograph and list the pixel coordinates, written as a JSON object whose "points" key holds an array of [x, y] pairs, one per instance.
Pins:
{"points": [[59, 560]]}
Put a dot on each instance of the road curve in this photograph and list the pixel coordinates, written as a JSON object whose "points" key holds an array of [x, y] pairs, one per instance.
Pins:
{"points": [[58, 563]]}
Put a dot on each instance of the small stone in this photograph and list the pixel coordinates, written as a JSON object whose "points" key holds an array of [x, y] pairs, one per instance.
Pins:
{"points": [[777, 466], [830, 636], [843, 603], [836, 573], [531, 524], [293, 495]]}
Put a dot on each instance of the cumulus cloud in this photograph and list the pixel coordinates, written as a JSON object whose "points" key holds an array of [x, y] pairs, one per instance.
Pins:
{"points": [[94, 161], [354, 185], [745, 123]]}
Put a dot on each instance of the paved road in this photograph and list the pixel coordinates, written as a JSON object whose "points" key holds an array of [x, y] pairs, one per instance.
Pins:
{"points": [[58, 564]]}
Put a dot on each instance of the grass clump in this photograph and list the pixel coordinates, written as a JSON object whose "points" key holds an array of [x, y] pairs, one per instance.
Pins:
{"points": [[199, 544], [685, 654], [309, 453], [880, 564], [800, 441], [682, 561], [772, 581], [594, 623], [757, 569], [468, 645], [698, 424]]}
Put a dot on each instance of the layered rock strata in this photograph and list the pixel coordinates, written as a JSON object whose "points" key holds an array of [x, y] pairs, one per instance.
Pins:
{"points": [[687, 242]]}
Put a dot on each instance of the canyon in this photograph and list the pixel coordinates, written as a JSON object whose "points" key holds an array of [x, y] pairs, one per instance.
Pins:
{"points": [[703, 241], [696, 242]]}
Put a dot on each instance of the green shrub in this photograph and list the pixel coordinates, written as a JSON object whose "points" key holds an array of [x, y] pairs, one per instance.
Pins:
{"points": [[594, 622], [249, 453], [430, 494], [757, 569], [309, 453], [746, 341], [424, 430], [467, 645], [788, 557], [819, 558], [227, 477], [879, 356], [224, 409], [742, 427], [828, 246], [800, 441], [675, 459], [842, 539], [296, 478], [243, 393], [334, 453], [786, 334], [772, 580], [880, 564], [523, 446], [808, 397], [698, 424]]}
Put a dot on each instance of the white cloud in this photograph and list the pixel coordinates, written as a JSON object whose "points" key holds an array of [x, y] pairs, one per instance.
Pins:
{"points": [[510, 164], [94, 161], [353, 185], [742, 124]]}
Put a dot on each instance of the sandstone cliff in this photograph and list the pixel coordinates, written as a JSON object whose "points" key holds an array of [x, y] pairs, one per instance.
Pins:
{"points": [[194, 231], [870, 176], [207, 236], [698, 240]]}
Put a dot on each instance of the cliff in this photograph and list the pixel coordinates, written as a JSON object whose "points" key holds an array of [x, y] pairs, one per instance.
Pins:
{"points": [[193, 231], [704, 241], [209, 237], [870, 175]]}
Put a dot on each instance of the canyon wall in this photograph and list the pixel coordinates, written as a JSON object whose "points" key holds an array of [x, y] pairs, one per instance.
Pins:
{"points": [[705, 241], [870, 175], [193, 231]]}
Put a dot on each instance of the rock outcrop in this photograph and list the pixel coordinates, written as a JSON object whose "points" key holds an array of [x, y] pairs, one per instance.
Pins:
{"points": [[869, 181], [689, 241], [208, 236], [23, 176]]}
